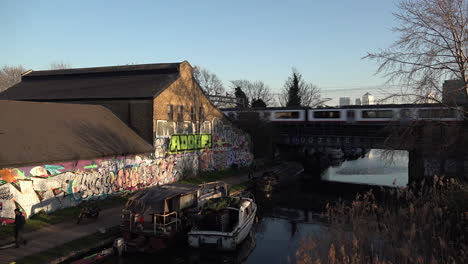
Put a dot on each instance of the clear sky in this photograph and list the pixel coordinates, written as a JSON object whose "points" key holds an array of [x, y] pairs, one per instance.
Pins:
{"points": [[254, 40]]}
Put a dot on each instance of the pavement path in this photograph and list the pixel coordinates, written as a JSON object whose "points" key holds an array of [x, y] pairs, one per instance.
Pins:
{"points": [[58, 234]]}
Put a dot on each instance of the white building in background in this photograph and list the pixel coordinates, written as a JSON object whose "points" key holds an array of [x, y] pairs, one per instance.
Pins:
{"points": [[345, 101], [367, 99], [357, 101]]}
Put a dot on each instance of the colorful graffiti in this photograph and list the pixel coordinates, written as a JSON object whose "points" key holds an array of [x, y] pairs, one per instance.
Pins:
{"points": [[224, 147], [50, 187], [202, 146]]}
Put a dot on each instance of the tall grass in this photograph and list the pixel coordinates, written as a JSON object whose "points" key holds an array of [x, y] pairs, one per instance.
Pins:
{"points": [[423, 224]]}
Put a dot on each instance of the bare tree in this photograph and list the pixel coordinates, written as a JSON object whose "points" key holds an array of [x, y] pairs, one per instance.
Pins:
{"points": [[432, 46], [208, 81], [309, 93], [10, 75], [59, 65], [255, 90], [243, 85]]}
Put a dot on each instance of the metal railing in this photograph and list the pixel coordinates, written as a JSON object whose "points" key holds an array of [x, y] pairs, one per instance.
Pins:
{"points": [[162, 223]]}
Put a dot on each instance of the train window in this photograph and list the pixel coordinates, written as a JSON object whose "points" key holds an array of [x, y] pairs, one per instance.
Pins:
{"points": [[248, 115], [286, 115], [436, 113], [266, 115], [377, 114], [327, 114]]}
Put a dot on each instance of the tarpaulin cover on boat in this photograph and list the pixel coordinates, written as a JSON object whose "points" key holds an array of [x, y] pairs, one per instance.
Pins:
{"points": [[156, 199]]}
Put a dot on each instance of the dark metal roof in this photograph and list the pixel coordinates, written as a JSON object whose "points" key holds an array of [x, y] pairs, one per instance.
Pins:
{"points": [[42, 133], [117, 82], [152, 200]]}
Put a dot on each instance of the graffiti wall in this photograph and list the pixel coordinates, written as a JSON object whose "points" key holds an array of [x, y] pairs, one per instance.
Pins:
{"points": [[193, 146], [181, 149], [51, 187]]}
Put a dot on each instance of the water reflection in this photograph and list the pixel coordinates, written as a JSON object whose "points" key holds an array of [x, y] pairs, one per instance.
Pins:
{"points": [[277, 239], [289, 214], [242, 253], [374, 168], [273, 240]]}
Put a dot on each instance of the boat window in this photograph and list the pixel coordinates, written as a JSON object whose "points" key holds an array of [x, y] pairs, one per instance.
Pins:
{"points": [[436, 113], [287, 115], [187, 200], [377, 114], [327, 114]]}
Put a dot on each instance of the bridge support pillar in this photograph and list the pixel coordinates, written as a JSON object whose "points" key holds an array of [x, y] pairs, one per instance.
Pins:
{"points": [[415, 167]]}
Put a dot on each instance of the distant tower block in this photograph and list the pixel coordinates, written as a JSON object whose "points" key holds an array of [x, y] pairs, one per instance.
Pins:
{"points": [[345, 101], [367, 99], [358, 101], [453, 93]]}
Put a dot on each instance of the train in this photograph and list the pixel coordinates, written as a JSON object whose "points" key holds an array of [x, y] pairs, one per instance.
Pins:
{"points": [[352, 114]]}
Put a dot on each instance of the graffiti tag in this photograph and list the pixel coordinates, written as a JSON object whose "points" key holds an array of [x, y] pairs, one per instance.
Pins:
{"points": [[188, 142], [5, 193]]}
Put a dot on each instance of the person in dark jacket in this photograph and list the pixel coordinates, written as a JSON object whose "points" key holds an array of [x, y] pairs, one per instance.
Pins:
{"points": [[19, 224]]}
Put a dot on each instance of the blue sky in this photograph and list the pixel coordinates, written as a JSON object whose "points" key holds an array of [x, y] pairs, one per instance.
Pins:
{"points": [[254, 40]]}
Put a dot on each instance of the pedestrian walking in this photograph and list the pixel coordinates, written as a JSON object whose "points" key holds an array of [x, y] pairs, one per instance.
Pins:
{"points": [[19, 224]]}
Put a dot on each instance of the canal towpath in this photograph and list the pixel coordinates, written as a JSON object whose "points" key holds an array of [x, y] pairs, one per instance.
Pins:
{"points": [[55, 235]]}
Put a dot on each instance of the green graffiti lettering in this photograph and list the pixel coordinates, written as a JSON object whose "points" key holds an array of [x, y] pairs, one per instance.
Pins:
{"points": [[189, 142], [206, 141], [174, 146], [183, 142]]}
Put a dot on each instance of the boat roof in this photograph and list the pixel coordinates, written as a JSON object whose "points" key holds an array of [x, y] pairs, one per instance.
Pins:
{"points": [[152, 199]]}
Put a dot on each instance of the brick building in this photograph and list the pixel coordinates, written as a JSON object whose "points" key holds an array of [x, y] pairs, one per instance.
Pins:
{"points": [[162, 103], [142, 96]]}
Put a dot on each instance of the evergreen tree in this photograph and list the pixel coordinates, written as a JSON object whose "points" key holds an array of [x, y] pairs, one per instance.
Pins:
{"points": [[294, 99], [240, 94], [258, 103]]}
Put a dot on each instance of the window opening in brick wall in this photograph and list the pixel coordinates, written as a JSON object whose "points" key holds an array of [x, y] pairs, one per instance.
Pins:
{"points": [[180, 113], [170, 112]]}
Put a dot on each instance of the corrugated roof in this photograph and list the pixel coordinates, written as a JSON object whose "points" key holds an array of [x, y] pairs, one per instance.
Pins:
{"points": [[117, 82], [152, 200], [43, 133]]}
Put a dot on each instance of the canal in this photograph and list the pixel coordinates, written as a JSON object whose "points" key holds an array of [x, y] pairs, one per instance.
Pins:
{"points": [[290, 214]]}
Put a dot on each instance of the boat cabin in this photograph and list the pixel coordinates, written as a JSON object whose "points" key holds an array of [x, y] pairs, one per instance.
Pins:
{"points": [[224, 214], [158, 210]]}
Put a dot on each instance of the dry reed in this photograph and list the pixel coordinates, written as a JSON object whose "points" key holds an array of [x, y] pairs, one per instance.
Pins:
{"points": [[423, 224]]}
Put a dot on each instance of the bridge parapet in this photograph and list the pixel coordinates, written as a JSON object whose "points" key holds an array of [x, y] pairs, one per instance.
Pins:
{"points": [[340, 142]]}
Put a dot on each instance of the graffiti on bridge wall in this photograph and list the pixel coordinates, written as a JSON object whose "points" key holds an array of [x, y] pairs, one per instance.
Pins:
{"points": [[54, 186], [189, 142], [214, 146], [50, 187]]}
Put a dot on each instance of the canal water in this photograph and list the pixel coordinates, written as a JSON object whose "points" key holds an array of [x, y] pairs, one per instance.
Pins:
{"points": [[289, 215], [377, 167]]}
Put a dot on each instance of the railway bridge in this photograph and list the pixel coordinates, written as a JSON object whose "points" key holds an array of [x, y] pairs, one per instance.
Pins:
{"points": [[433, 135]]}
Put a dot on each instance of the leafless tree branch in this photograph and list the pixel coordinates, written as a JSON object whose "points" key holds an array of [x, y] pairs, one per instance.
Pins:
{"points": [[432, 45], [10, 75]]}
